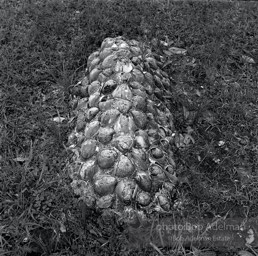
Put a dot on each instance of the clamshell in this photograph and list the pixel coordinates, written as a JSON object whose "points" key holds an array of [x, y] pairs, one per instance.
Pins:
{"points": [[143, 198], [91, 129], [105, 202], [143, 179], [104, 184], [88, 169], [93, 87], [123, 91], [105, 134], [122, 105], [107, 157], [123, 143], [88, 149], [124, 167], [125, 189], [109, 86], [105, 53], [139, 118], [109, 117], [94, 74]]}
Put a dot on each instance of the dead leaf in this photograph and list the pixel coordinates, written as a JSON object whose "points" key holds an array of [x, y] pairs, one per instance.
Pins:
{"points": [[175, 50], [62, 227], [186, 112], [154, 42], [221, 143], [209, 117], [250, 238], [248, 59], [163, 43], [188, 139], [189, 129], [168, 53], [191, 62], [167, 63], [245, 253], [195, 251], [198, 93], [58, 119], [182, 141], [179, 140], [20, 159], [244, 174]]}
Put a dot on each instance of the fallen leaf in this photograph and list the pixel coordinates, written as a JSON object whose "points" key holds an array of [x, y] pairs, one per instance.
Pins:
{"points": [[250, 238], [179, 140], [191, 62], [175, 50], [62, 227], [209, 117], [168, 53], [248, 59], [167, 41], [208, 253], [188, 139], [189, 129], [195, 251], [154, 42], [163, 43], [20, 159], [244, 174], [245, 253], [186, 112], [221, 143], [198, 93], [58, 119], [167, 63]]}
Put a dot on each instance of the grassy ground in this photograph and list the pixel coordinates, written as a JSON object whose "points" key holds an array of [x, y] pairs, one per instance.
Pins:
{"points": [[44, 48]]}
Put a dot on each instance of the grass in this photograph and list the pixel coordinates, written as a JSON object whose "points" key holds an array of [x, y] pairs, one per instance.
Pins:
{"points": [[44, 49]]}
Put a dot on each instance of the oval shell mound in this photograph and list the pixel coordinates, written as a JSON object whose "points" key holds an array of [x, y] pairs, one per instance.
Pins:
{"points": [[122, 139]]}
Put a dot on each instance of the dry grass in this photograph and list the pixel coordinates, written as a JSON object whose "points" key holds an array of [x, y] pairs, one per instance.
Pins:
{"points": [[44, 48]]}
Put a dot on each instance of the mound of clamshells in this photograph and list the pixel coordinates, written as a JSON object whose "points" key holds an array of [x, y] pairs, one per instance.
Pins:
{"points": [[123, 139]]}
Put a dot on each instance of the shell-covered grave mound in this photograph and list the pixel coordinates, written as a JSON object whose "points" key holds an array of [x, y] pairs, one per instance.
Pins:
{"points": [[122, 143]]}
